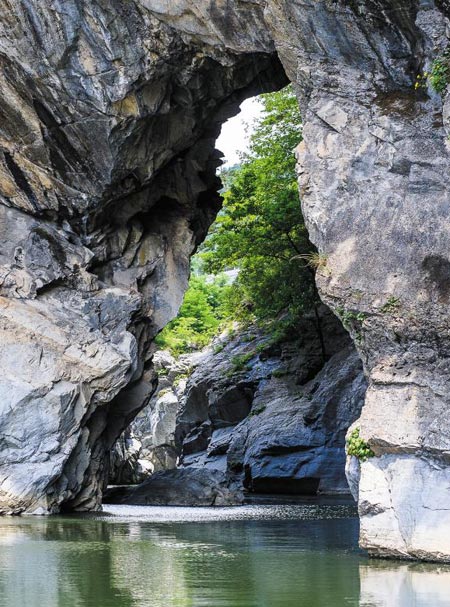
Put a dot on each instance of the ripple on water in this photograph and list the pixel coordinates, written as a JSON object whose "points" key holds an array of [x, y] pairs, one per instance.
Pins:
{"points": [[177, 514]]}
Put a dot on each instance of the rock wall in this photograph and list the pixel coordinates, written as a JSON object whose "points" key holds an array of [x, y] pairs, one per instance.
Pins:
{"points": [[107, 183], [270, 414], [148, 445], [273, 415], [375, 191], [109, 111]]}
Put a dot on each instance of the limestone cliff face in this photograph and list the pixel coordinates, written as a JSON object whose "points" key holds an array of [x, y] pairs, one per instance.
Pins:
{"points": [[375, 190], [107, 182], [109, 112]]}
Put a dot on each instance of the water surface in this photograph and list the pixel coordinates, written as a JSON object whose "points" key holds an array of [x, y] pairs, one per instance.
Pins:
{"points": [[254, 556]]}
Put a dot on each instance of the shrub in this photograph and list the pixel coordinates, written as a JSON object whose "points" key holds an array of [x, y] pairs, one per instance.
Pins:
{"points": [[358, 447], [257, 410], [315, 260], [164, 391], [200, 317], [179, 378], [279, 373], [240, 361], [439, 76]]}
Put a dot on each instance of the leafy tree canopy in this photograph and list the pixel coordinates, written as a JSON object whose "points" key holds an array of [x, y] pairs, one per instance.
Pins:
{"points": [[261, 229], [200, 316], [261, 232]]}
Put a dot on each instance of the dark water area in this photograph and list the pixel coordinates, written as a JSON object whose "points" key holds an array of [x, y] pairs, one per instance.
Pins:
{"points": [[253, 556]]}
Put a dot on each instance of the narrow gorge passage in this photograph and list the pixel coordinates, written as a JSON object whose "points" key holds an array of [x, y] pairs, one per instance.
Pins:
{"points": [[258, 382], [108, 116]]}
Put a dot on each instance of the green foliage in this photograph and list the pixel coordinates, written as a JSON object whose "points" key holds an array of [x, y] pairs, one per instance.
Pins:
{"points": [[239, 364], [240, 361], [279, 373], [257, 410], [261, 230], [348, 317], [199, 317], [315, 260], [352, 321], [391, 305], [439, 76], [421, 81], [164, 391], [179, 378], [358, 447], [261, 233]]}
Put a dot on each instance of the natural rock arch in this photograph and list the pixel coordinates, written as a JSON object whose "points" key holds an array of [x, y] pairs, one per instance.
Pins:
{"points": [[109, 113]]}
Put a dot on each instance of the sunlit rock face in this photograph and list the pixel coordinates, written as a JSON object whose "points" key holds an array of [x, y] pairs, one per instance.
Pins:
{"points": [[375, 191], [109, 111]]}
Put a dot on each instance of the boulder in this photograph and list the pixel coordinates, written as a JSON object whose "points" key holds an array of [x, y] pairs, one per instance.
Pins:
{"points": [[184, 487]]}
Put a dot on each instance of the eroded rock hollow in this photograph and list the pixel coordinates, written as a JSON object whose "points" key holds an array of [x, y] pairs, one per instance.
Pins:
{"points": [[109, 111]]}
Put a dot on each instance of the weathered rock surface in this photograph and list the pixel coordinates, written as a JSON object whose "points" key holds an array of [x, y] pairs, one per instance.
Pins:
{"points": [[375, 191], [274, 415], [109, 113], [148, 445], [107, 183], [183, 487], [126, 465], [271, 414]]}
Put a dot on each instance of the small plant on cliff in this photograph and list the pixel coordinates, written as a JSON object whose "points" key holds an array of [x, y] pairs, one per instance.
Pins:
{"points": [[179, 378], [352, 321], [315, 260], [257, 410], [392, 304], [349, 317], [421, 81], [439, 76], [278, 373], [164, 391], [358, 447], [240, 361]]}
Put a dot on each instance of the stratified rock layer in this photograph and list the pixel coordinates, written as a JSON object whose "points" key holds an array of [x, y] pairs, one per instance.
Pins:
{"points": [[107, 183], [270, 413], [148, 445], [109, 111], [274, 415]]}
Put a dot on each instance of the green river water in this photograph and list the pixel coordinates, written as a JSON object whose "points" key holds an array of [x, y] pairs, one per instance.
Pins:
{"points": [[254, 556]]}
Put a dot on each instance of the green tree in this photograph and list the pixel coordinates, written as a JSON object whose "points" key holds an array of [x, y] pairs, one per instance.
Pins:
{"points": [[199, 318], [261, 230], [261, 233]]}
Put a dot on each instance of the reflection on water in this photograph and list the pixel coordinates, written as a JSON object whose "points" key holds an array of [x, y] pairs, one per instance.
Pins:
{"points": [[176, 557], [387, 584]]}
